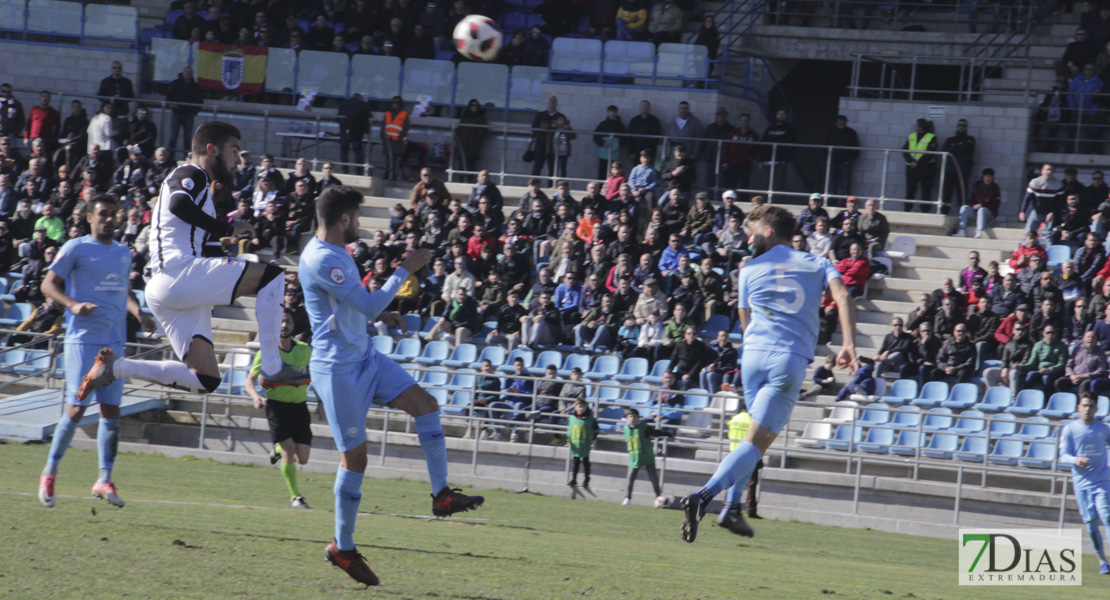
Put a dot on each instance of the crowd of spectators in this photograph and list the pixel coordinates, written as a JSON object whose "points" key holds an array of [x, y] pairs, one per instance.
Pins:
{"points": [[418, 29]]}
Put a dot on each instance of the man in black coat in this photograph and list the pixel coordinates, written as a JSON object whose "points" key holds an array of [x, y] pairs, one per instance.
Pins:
{"points": [[606, 136], [956, 357], [643, 124], [895, 349], [118, 90], [680, 172], [184, 93]]}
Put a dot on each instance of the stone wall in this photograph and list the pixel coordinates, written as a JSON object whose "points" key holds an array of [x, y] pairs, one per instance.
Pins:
{"points": [[1001, 134], [61, 69]]}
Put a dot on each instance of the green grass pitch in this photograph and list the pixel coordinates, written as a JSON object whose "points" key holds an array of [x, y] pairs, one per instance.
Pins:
{"points": [[204, 530]]}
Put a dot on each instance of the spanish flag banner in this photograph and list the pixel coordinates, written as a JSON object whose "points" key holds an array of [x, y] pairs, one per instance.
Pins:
{"points": [[227, 68]]}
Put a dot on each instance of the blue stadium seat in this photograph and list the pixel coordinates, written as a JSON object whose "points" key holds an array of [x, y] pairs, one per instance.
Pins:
{"points": [[1103, 409], [512, 21], [523, 353], [1057, 254], [1003, 425], [544, 360], [582, 361], [1028, 402], [633, 369], [605, 367], [17, 313], [970, 421], [610, 418], [440, 395], [637, 393], [1034, 428], [606, 393], [406, 351], [1039, 455], [36, 362], [233, 382], [996, 399], [434, 378], [878, 440], [461, 356], [901, 391], [937, 419], [434, 353], [942, 445], [714, 324], [736, 335], [463, 379], [1006, 452], [383, 344], [876, 413], [1061, 405], [907, 417], [908, 442], [962, 395], [494, 354], [932, 394], [973, 449], [656, 376], [845, 438], [697, 399], [412, 324], [9, 359], [459, 405]]}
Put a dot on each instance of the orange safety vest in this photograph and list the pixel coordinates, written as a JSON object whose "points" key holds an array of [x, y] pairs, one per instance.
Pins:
{"points": [[394, 125]]}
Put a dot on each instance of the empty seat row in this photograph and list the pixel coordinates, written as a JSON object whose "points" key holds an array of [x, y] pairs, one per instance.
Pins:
{"points": [[1060, 405], [1007, 451]]}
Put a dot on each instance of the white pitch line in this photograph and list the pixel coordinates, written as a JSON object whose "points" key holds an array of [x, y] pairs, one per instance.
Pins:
{"points": [[249, 507]]}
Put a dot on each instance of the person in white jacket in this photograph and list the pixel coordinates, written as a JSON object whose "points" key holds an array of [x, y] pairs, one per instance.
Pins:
{"points": [[651, 334], [102, 129]]}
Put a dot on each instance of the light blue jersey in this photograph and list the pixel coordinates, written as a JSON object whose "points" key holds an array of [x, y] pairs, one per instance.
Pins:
{"points": [[338, 306], [1079, 439], [98, 273], [783, 289]]}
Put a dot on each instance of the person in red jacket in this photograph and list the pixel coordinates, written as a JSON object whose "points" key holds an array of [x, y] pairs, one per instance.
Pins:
{"points": [[43, 122], [1020, 258], [854, 270], [1005, 329]]}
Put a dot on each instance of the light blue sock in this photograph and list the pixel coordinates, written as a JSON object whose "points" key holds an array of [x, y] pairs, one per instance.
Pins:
{"points": [[348, 495], [432, 440], [735, 493], [107, 444], [735, 469], [63, 435], [1096, 539]]}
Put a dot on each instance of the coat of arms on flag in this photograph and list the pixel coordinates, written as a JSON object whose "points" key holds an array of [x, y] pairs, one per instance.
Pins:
{"points": [[228, 68]]}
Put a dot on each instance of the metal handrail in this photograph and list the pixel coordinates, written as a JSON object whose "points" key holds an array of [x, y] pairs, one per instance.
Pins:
{"points": [[973, 70]]}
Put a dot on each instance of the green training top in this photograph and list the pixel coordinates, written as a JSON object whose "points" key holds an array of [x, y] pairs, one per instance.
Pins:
{"points": [[580, 431], [297, 357], [640, 453]]}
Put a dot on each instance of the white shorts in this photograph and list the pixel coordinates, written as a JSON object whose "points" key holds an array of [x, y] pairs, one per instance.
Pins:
{"points": [[182, 297]]}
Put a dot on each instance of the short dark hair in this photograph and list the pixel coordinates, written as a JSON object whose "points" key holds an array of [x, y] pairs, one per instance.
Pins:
{"points": [[335, 202], [778, 218], [216, 133], [104, 199], [988, 171], [1088, 394]]}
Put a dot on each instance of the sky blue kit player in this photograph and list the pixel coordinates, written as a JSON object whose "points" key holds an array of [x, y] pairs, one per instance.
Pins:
{"points": [[780, 293], [1083, 445], [350, 376], [90, 278]]}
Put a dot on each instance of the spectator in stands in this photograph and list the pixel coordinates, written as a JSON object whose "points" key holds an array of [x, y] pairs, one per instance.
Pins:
{"points": [[842, 242], [1014, 354], [843, 157], [1089, 259], [102, 130], [142, 132], [420, 44], [1076, 324], [598, 328], [721, 364], [43, 122], [512, 53], [270, 231], [713, 154], [921, 168], [1046, 362], [668, 399], [537, 49], [740, 154], [807, 219], [849, 213], [187, 22], [12, 117], [460, 318], [1023, 256], [923, 355], [470, 133], [684, 129], [354, 124], [644, 126], [895, 349], [542, 325], [665, 23], [1071, 224], [608, 141], [948, 317], [631, 20], [874, 227], [983, 323], [983, 202], [8, 196], [962, 148], [1043, 197], [542, 144], [1047, 290], [972, 273], [507, 331], [820, 241], [1086, 365], [1049, 314], [863, 382], [1086, 114], [782, 131], [710, 37], [118, 90], [690, 355], [855, 269], [394, 135], [642, 182], [1082, 51], [245, 174], [561, 140]]}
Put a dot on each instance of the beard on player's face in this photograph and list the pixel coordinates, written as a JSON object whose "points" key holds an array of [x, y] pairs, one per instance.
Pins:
{"points": [[350, 236]]}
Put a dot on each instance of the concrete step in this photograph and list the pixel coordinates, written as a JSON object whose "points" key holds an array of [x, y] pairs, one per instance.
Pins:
{"points": [[945, 264]]}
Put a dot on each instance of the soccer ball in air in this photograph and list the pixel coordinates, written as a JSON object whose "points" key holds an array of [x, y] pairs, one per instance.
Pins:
{"points": [[662, 502], [478, 38]]}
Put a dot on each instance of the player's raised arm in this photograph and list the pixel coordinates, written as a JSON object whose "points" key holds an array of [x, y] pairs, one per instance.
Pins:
{"points": [[846, 307]]}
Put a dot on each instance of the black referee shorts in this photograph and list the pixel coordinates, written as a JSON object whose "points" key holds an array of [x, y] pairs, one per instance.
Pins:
{"points": [[289, 420]]}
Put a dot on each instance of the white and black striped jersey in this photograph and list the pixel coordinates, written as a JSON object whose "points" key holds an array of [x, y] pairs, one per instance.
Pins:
{"points": [[184, 218]]}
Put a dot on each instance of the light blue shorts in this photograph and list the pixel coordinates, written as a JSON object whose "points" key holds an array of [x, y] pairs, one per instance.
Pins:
{"points": [[772, 381], [348, 394], [78, 359], [1094, 502]]}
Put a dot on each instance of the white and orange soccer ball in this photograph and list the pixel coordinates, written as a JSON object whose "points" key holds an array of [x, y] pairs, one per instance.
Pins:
{"points": [[478, 38], [662, 502]]}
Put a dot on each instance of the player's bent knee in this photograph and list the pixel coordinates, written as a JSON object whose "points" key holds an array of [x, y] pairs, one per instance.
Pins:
{"points": [[208, 382]]}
